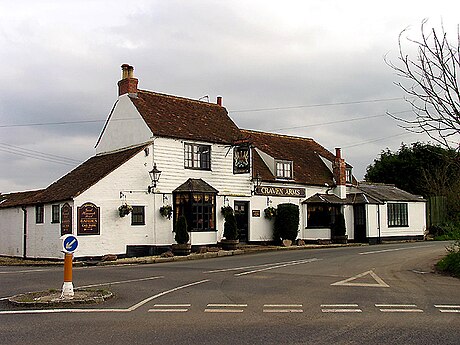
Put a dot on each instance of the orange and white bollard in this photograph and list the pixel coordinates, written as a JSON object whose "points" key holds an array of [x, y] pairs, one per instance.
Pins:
{"points": [[67, 287]]}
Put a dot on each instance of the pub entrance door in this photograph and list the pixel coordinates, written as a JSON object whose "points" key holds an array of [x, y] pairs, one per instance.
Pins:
{"points": [[242, 219]]}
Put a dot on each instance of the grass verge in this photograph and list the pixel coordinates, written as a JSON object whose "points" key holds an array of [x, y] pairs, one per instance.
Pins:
{"points": [[451, 262]]}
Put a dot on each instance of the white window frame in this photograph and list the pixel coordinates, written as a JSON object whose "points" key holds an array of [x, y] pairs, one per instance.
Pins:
{"points": [[284, 169]]}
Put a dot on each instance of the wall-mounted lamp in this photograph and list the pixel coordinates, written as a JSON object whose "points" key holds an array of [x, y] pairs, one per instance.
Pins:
{"points": [[154, 177], [257, 181]]}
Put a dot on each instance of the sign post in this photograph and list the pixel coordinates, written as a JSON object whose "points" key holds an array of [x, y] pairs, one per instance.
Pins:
{"points": [[69, 245]]}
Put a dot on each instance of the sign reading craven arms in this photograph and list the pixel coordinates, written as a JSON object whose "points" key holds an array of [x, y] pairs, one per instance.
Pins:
{"points": [[88, 219], [280, 191]]}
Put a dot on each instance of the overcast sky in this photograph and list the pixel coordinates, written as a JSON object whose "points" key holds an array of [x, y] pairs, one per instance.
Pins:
{"points": [[304, 68]]}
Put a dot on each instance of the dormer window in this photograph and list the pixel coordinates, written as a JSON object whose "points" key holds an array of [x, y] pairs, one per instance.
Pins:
{"points": [[284, 169], [349, 175]]}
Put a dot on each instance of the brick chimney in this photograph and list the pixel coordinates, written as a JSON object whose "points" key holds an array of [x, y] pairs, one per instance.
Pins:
{"points": [[340, 175], [219, 100], [127, 84]]}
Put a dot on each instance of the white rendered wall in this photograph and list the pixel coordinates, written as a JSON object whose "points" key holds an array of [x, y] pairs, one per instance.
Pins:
{"points": [[11, 231], [125, 128], [417, 221]]}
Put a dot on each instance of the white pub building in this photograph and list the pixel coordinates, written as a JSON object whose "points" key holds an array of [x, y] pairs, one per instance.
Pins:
{"points": [[161, 156]]}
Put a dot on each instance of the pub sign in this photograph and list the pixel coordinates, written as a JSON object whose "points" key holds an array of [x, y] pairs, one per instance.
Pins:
{"points": [[66, 219], [88, 219], [280, 191], [241, 159]]}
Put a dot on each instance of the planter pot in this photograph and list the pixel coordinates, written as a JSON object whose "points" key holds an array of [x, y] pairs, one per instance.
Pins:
{"points": [[181, 249], [340, 239], [229, 244]]}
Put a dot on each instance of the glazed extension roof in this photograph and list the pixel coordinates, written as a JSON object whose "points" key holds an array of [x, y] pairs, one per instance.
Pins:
{"points": [[75, 182], [305, 154], [182, 118]]}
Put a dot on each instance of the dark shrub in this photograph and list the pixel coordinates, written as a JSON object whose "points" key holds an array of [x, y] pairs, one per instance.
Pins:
{"points": [[338, 228], [181, 236], [230, 227], [286, 222], [451, 263], [226, 210]]}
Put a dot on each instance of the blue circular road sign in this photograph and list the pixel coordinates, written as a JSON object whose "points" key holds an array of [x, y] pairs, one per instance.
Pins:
{"points": [[70, 244]]}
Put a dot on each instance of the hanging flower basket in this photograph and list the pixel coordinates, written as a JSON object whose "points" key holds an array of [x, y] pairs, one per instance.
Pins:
{"points": [[166, 211], [124, 210], [270, 212]]}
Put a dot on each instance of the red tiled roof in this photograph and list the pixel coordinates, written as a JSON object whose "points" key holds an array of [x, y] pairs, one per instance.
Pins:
{"points": [[75, 182], [177, 117], [303, 152]]}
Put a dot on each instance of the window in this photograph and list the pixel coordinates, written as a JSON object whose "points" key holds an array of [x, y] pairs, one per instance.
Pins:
{"points": [[397, 214], [39, 214], [55, 211], [138, 215], [284, 169], [321, 215], [197, 156], [198, 208], [349, 175]]}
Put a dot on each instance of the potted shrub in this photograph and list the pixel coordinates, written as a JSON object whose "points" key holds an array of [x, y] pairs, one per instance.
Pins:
{"points": [[230, 233], [166, 211], [124, 210], [338, 230], [225, 210], [286, 224], [182, 237]]}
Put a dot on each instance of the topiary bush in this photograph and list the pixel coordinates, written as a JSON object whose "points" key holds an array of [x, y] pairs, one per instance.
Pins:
{"points": [[182, 236], [230, 227], [286, 224]]}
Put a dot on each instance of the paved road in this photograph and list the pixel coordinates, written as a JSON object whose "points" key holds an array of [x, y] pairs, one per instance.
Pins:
{"points": [[355, 295]]}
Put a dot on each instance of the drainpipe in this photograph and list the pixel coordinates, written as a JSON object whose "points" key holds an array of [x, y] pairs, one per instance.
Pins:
{"points": [[379, 241], [24, 242]]}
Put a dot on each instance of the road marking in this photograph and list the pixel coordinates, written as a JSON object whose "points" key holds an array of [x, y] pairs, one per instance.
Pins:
{"points": [[130, 309], [255, 266], [446, 308], [338, 305], [394, 249], [169, 308], [278, 266], [224, 308], [399, 308], [340, 308], [282, 308], [29, 271], [53, 311], [141, 303], [120, 282], [346, 282]]}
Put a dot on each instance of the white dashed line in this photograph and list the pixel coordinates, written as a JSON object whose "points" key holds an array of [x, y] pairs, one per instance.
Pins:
{"points": [[446, 308], [399, 308], [282, 308], [224, 308], [340, 308]]}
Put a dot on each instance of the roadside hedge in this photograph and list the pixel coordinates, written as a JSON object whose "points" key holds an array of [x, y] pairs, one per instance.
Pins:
{"points": [[286, 224]]}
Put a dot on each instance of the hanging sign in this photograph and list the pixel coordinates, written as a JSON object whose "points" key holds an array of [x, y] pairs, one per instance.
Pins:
{"points": [[241, 160], [88, 219]]}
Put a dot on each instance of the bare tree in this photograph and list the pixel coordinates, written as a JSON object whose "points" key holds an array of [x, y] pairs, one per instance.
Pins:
{"points": [[434, 86]]}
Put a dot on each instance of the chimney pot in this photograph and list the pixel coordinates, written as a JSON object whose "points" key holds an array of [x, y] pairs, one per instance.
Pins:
{"points": [[127, 84], [338, 152], [219, 100]]}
